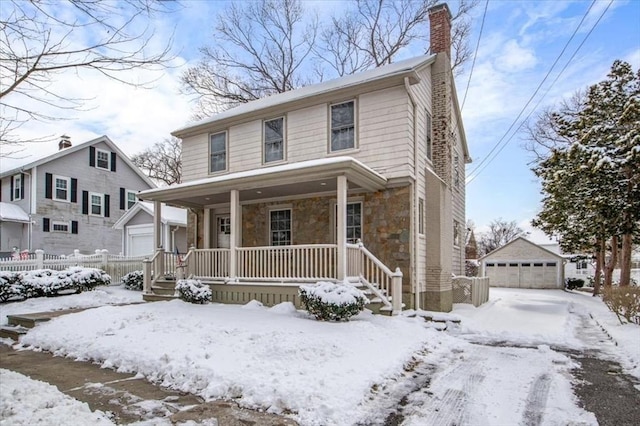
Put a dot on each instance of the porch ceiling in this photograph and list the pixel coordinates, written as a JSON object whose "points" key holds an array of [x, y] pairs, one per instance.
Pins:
{"points": [[290, 180]]}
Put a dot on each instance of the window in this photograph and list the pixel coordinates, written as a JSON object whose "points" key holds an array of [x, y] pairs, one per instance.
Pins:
{"points": [[274, 140], [581, 264], [490, 265], [456, 233], [60, 226], [224, 225], [456, 171], [513, 265], [343, 126], [218, 152], [62, 188], [280, 227], [526, 265], [551, 263], [428, 138], [17, 187], [96, 206], [502, 265], [537, 264], [420, 216], [131, 199], [102, 159], [354, 222]]}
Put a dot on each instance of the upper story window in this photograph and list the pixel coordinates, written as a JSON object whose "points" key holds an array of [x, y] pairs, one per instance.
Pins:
{"points": [[218, 152], [428, 136], [96, 206], [280, 227], [456, 233], [274, 140], [421, 216], [343, 129], [62, 188], [17, 187], [131, 199], [103, 159]]}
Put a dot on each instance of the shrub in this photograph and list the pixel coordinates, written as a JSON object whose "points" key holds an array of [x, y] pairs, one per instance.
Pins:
{"points": [[35, 282], [471, 268], [573, 283], [133, 280], [193, 291], [332, 302], [10, 286], [624, 302], [86, 279]]}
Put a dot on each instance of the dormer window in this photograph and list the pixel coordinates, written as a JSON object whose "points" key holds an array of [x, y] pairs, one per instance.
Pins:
{"points": [[343, 128]]}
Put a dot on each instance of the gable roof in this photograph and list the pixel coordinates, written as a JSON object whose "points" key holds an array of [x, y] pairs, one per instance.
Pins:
{"points": [[74, 148], [173, 216], [12, 213], [526, 241], [403, 68]]}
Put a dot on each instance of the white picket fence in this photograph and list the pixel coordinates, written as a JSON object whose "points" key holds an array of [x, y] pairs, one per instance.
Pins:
{"points": [[474, 290], [115, 265]]}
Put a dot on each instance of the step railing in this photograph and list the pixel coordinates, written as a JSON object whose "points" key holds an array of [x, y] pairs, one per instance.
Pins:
{"points": [[151, 270], [362, 263], [287, 263]]}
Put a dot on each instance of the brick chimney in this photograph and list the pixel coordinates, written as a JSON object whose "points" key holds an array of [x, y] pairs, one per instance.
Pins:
{"points": [[440, 26], [65, 142]]}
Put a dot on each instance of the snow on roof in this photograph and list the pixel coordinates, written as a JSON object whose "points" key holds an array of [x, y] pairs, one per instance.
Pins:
{"points": [[314, 89], [12, 213], [170, 214]]}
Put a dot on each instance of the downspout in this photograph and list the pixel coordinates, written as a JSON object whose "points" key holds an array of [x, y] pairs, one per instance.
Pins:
{"points": [[414, 216], [30, 224]]}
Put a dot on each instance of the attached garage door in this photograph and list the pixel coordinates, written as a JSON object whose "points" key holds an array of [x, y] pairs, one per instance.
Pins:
{"points": [[140, 241], [541, 274]]}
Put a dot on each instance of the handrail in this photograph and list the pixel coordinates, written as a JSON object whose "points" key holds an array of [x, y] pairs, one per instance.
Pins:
{"points": [[383, 298]]}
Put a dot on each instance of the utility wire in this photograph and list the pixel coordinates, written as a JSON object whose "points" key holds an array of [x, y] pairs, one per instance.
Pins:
{"points": [[475, 55], [476, 171]]}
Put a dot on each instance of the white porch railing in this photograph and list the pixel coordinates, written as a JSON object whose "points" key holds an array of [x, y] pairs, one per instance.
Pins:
{"points": [[287, 263], [474, 290], [207, 263], [375, 274]]}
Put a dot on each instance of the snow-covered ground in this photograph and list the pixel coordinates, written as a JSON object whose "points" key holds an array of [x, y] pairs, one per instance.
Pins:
{"points": [[499, 366]]}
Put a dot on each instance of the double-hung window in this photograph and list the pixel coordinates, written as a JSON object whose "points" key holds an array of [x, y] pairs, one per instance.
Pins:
{"points": [[217, 152], [274, 140], [17, 187], [131, 199], [343, 128], [102, 159], [96, 204], [62, 188], [280, 227], [60, 226], [354, 222]]}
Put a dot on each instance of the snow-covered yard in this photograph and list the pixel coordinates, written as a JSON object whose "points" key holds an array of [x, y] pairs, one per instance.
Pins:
{"points": [[500, 366]]}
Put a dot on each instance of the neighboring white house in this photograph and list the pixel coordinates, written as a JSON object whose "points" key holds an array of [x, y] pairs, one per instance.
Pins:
{"points": [[523, 264], [137, 229]]}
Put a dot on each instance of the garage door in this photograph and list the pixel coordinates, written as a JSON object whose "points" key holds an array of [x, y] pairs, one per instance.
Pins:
{"points": [[542, 274], [141, 244]]}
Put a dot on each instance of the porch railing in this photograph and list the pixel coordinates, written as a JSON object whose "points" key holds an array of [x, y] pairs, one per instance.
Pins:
{"points": [[207, 263], [287, 263]]}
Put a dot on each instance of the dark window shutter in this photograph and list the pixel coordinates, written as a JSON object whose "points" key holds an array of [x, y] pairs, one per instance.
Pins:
{"points": [[74, 226], [48, 186], [113, 161], [45, 224], [22, 185], [74, 190], [106, 205], [122, 198], [92, 156], [11, 179], [85, 202]]}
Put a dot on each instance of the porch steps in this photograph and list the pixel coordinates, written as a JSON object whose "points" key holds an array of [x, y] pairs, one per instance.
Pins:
{"points": [[17, 325]]}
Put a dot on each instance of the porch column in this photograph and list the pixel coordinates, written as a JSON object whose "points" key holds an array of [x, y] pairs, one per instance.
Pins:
{"points": [[235, 229], [341, 219], [207, 228], [157, 225]]}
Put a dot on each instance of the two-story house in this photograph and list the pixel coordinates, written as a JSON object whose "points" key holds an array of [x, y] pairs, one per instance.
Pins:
{"points": [[345, 179], [71, 198]]}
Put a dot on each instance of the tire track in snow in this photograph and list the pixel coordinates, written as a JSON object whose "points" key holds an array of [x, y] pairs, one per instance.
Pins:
{"points": [[536, 401]]}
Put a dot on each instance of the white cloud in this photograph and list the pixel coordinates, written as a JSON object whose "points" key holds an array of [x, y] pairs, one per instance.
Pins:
{"points": [[515, 58]]}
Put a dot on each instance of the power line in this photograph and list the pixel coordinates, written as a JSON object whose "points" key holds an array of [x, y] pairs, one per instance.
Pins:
{"points": [[475, 55], [489, 157]]}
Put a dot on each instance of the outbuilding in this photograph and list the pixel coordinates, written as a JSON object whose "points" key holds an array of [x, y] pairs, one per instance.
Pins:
{"points": [[523, 264]]}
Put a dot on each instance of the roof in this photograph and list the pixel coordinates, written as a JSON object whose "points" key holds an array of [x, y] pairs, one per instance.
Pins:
{"points": [[12, 213], [66, 151], [397, 69], [173, 216], [520, 239]]}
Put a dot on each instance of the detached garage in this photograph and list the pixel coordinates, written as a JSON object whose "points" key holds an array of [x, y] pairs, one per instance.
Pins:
{"points": [[523, 264]]}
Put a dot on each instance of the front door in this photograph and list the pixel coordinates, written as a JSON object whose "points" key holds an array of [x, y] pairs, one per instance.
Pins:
{"points": [[223, 231]]}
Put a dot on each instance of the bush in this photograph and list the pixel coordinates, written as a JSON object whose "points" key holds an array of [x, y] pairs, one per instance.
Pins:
{"points": [[133, 280], [332, 302], [10, 286], [471, 268], [86, 279], [573, 283], [35, 283], [624, 302], [193, 291]]}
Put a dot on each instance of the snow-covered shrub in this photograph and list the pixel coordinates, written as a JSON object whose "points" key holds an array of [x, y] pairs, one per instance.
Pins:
{"points": [[10, 286], [624, 302], [193, 291], [573, 283], [36, 282], [133, 280], [47, 282], [471, 268], [86, 279], [332, 302]]}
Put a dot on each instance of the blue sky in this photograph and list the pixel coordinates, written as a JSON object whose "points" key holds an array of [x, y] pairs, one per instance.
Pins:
{"points": [[520, 42]]}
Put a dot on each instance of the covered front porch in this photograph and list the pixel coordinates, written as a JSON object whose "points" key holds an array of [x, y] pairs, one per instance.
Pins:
{"points": [[261, 255]]}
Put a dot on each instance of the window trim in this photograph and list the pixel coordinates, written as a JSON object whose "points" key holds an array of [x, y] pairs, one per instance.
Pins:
{"points": [[226, 152], [54, 191], [60, 223], [355, 127], [279, 209], [101, 196], [17, 187], [126, 199], [98, 151], [284, 140]]}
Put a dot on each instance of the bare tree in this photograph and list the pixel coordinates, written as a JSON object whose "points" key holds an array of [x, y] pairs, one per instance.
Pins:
{"points": [[39, 41], [500, 233], [373, 32], [260, 49], [162, 162]]}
